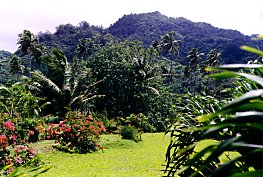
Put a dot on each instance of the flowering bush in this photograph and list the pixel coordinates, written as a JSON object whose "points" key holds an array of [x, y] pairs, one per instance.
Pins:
{"points": [[77, 133], [13, 150]]}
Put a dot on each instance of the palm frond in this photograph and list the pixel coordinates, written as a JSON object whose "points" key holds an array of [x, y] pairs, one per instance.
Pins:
{"points": [[46, 82]]}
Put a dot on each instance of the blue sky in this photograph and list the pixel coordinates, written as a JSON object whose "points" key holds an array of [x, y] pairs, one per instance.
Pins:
{"points": [[44, 15]]}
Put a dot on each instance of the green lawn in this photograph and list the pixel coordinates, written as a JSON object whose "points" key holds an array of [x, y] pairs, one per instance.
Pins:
{"points": [[119, 158]]}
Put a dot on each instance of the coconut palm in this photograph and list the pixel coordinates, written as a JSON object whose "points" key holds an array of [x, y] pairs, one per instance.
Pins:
{"points": [[82, 49], [16, 67], [169, 45], [65, 89], [28, 44]]}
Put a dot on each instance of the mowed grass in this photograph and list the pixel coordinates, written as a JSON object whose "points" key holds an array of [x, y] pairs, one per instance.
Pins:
{"points": [[119, 158]]}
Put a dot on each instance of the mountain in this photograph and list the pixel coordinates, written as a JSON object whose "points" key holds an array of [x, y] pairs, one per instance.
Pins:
{"points": [[67, 36], [4, 54], [148, 27]]}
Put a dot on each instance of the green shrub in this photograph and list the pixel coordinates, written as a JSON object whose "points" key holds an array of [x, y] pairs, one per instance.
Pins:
{"points": [[130, 133]]}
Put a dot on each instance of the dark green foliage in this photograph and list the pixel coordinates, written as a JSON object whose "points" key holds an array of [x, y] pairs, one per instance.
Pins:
{"points": [[129, 132], [67, 37], [17, 100], [131, 76], [5, 75]]}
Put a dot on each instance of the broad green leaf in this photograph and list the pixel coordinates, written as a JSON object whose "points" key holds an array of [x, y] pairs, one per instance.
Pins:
{"points": [[257, 173], [232, 107], [251, 77], [213, 128], [231, 67], [227, 167], [222, 75], [215, 153], [248, 145], [252, 50]]}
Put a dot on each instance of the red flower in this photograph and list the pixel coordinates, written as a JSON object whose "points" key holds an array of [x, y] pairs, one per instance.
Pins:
{"points": [[67, 129], [60, 124], [3, 141]]}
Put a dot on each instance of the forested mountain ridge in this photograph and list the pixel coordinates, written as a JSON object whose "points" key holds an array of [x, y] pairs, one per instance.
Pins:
{"points": [[203, 36], [4, 54], [148, 27]]}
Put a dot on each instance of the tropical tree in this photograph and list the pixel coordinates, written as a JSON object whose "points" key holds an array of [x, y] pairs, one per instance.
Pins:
{"points": [[169, 45], [213, 58], [131, 75], [62, 86], [82, 49], [16, 66], [28, 44], [193, 58]]}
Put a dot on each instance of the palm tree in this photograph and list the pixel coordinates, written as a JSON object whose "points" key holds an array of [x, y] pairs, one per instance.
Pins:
{"points": [[29, 46], [169, 45], [65, 89], [213, 58], [82, 49], [193, 58], [16, 67]]}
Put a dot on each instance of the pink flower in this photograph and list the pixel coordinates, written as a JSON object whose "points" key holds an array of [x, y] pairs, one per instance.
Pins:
{"points": [[31, 132], [103, 128], [48, 137], [10, 125], [18, 160], [89, 117], [19, 149], [11, 169], [13, 137]]}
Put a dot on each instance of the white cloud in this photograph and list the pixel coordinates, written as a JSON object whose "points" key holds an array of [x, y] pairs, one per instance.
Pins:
{"points": [[39, 15]]}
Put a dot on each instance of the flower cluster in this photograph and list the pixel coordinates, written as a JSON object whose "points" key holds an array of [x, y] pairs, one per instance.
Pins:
{"points": [[77, 133], [9, 125], [10, 138]]}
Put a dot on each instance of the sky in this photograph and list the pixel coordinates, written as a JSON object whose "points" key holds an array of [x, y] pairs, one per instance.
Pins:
{"points": [[245, 16]]}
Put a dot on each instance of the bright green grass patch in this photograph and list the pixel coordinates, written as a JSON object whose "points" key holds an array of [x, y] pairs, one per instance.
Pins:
{"points": [[223, 157], [119, 158]]}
